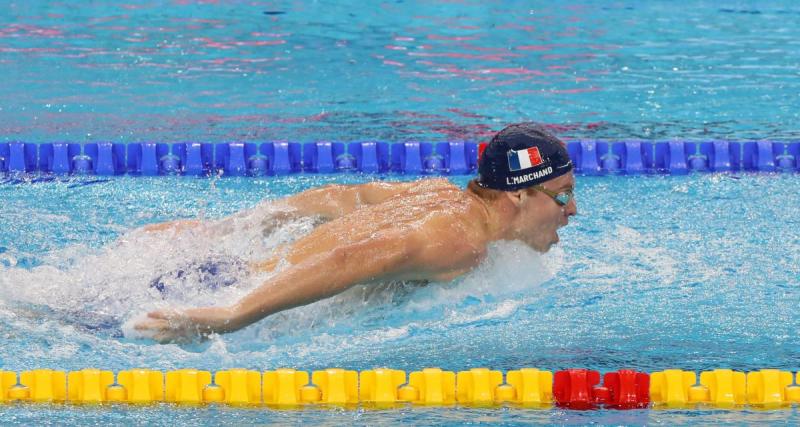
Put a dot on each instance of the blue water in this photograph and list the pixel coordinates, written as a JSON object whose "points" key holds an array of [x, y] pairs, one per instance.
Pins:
{"points": [[397, 70], [695, 272]]}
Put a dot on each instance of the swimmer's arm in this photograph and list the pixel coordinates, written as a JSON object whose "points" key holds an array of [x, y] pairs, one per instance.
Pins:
{"points": [[323, 276], [403, 255], [311, 280], [333, 201], [303, 283]]}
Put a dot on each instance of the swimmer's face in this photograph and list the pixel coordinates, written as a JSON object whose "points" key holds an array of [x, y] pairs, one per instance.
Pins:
{"points": [[540, 216]]}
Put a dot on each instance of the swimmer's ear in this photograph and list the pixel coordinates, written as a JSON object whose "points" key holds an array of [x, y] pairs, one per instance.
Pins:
{"points": [[516, 197]]}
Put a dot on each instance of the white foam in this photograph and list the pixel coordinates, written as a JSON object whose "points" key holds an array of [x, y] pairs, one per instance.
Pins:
{"points": [[113, 282]]}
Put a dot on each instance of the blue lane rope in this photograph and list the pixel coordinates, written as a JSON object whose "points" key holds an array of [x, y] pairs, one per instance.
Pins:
{"points": [[413, 158]]}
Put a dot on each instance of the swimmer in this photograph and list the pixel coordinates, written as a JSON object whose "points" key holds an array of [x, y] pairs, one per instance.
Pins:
{"points": [[427, 230]]}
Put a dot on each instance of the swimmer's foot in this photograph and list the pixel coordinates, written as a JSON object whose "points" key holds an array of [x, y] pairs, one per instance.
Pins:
{"points": [[182, 326]]}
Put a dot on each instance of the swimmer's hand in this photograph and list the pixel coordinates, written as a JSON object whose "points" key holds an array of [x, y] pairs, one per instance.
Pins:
{"points": [[181, 326]]}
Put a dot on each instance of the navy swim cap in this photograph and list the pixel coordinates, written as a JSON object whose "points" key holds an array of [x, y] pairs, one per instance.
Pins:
{"points": [[522, 155]]}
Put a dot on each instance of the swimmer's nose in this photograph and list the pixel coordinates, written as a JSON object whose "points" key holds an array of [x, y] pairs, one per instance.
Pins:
{"points": [[571, 209]]}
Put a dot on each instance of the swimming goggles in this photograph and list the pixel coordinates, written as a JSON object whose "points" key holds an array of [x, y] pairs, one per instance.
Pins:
{"points": [[562, 198]]}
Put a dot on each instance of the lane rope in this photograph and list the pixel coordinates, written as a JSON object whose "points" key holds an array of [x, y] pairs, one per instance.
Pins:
{"points": [[411, 158], [579, 389]]}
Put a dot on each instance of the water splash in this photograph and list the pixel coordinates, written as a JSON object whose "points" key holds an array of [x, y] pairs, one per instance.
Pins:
{"points": [[99, 288]]}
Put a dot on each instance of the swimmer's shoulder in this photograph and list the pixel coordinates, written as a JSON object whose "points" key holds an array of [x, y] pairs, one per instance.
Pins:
{"points": [[449, 249], [437, 194], [432, 184]]}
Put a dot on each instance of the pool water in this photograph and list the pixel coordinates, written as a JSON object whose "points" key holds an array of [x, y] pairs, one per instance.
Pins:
{"points": [[695, 272], [397, 70]]}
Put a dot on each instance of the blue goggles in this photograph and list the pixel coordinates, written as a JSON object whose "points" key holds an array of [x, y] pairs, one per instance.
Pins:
{"points": [[561, 198]]}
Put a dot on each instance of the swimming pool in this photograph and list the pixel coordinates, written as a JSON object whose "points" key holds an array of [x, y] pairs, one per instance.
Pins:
{"points": [[695, 272], [706, 283], [401, 70]]}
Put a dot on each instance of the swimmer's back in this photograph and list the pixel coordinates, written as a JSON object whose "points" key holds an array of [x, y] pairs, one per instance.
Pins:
{"points": [[432, 209]]}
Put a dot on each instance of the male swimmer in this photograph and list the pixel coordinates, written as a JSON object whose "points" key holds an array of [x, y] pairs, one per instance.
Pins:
{"points": [[424, 230]]}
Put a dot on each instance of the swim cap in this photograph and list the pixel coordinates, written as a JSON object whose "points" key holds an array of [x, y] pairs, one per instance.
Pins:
{"points": [[522, 155]]}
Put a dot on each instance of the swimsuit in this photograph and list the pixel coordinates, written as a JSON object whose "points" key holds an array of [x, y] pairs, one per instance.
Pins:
{"points": [[211, 273]]}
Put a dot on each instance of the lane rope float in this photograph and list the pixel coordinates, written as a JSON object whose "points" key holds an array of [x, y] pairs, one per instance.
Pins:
{"points": [[579, 389], [414, 158]]}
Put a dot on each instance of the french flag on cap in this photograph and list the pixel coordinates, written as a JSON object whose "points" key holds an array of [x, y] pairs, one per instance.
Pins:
{"points": [[524, 159]]}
